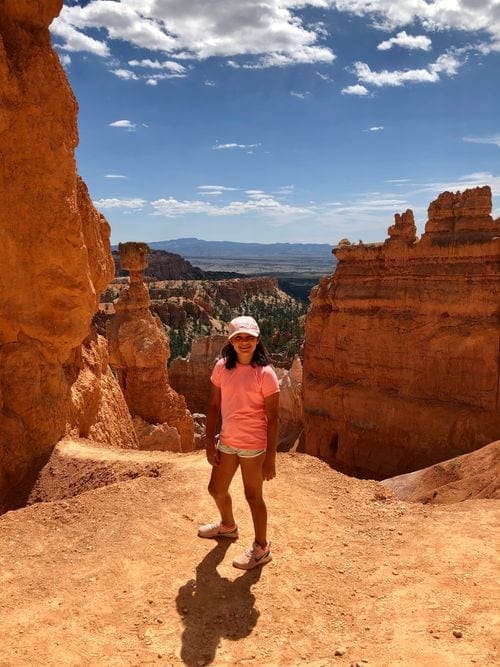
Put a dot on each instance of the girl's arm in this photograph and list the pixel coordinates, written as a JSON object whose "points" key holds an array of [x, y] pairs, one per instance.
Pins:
{"points": [[213, 411], [271, 406]]}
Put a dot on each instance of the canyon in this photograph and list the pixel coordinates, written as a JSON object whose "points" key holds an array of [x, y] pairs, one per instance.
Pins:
{"points": [[401, 353], [100, 559]]}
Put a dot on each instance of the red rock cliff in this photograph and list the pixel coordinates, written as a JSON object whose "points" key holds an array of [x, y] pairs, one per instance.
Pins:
{"points": [[54, 258], [401, 355]]}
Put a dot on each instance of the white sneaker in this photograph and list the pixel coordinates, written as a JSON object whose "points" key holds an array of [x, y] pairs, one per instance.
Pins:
{"points": [[218, 530], [253, 557]]}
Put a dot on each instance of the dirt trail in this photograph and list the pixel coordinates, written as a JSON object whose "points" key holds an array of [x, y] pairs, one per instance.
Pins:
{"points": [[116, 576]]}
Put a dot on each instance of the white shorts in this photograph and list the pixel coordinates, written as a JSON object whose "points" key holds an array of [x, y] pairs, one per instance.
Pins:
{"points": [[243, 453]]}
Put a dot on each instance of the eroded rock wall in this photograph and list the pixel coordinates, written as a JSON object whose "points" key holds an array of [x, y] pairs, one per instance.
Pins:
{"points": [[291, 418], [54, 257], [191, 377], [401, 355]]}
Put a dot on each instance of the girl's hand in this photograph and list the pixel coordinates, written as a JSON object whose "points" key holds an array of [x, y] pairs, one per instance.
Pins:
{"points": [[213, 456], [269, 469]]}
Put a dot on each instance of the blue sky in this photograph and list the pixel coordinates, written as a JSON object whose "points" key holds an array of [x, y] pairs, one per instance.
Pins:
{"points": [[283, 120]]}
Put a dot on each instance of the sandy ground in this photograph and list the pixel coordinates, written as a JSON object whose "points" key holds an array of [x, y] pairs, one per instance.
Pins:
{"points": [[116, 576]]}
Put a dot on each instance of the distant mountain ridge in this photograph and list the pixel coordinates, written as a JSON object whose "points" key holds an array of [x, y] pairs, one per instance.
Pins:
{"points": [[193, 247]]}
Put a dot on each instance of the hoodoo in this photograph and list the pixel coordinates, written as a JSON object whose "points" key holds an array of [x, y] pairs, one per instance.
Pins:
{"points": [[139, 351]]}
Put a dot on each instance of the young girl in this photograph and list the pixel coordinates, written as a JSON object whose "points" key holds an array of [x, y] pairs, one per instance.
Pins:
{"points": [[245, 391]]}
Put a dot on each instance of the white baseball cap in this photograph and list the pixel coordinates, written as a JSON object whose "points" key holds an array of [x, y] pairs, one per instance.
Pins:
{"points": [[243, 324]]}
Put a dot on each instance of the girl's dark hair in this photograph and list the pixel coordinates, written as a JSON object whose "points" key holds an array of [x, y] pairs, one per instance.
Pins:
{"points": [[260, 356]]}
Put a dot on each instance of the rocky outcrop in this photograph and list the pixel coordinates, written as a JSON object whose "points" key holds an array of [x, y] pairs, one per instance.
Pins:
{"points": [[191, 376], [291, 419], [139, 351], [54, 261], [164, 265], [401, 366], [234, 290], [474, 475]]}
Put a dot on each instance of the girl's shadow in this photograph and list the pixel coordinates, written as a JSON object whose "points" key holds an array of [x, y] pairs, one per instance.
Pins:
{"points": [[212, 607]]}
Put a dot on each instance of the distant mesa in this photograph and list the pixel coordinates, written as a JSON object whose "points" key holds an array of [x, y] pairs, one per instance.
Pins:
{"points": [[253, 258], [193, 247]]}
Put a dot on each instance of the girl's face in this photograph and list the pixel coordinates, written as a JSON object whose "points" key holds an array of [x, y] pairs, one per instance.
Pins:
{"points": [[244, 346]]}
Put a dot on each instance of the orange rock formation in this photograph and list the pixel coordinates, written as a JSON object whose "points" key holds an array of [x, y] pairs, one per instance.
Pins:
{"points": [[191, 376], [291, 416], [474, 475], [401, 366], [54, 257], [139, 351]]}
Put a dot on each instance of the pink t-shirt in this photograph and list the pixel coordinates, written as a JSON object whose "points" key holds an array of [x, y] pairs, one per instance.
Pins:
{"points": [[243, 390]]}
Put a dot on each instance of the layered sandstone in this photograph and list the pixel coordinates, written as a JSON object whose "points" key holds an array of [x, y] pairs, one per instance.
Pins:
{"points": [[291, 418], [139, 351], [54, 260], [191, 376], [474, 475], [401, 362], [235, 289]]}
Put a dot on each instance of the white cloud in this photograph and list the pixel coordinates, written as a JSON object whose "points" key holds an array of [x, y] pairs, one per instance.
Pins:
{"points": [[256, 194], [306, 55], [474, 180], [223, 147], [265, 206], [446, 64], [173, 71], [210, 84], [375, 128], [73, 40], [259, 35], [406, 41], [126, 124], [494, 139], [285, 190], [323, 77], [114, 176], [214, 190], [438, 15], [220, 188], [273, 32], [134, 203], [357, 89], [125, 74], [65, 59], [175, 68], [300, 96]]}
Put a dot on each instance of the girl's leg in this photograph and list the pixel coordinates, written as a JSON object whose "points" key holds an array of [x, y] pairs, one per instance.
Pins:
{"points": [[251, 471], [218, 487]]}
